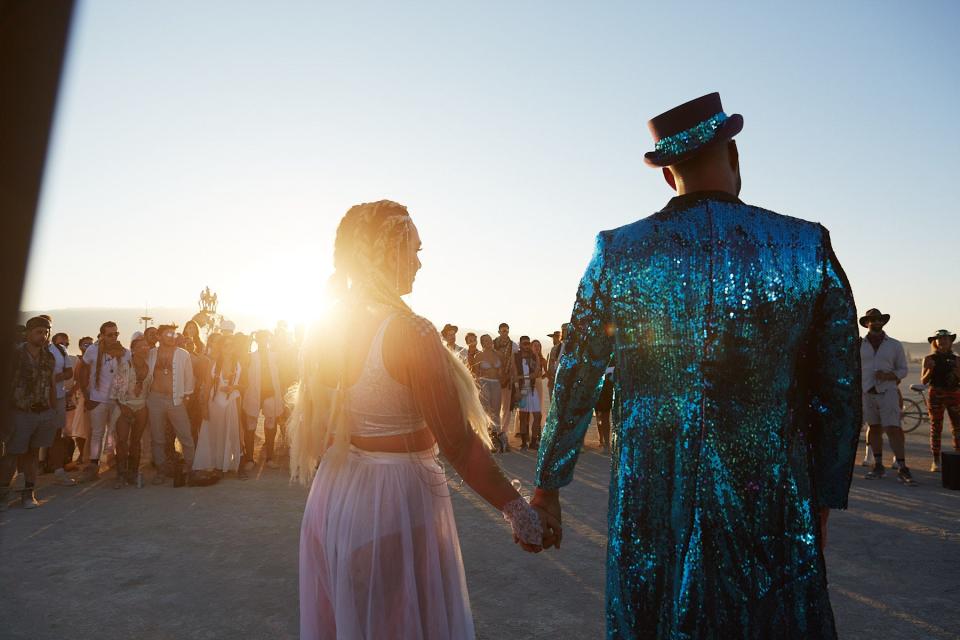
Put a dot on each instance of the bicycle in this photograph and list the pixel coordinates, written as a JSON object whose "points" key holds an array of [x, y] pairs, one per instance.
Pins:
{"points": [[912, 413]]}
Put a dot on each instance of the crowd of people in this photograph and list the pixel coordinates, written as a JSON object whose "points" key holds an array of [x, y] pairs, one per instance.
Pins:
{"points": [[884, 367], [168, 387], [188, 406], [193, 405]]}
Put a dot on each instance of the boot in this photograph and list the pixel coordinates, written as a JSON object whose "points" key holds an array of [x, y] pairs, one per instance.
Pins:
{"points": [[504, 442], [4, 499], [28, 500]]}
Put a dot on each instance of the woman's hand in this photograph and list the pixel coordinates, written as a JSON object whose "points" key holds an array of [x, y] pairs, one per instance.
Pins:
{"points": [[527, 529]]}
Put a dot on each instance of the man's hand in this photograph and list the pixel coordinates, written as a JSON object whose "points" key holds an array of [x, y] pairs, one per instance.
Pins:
{"points": [[547, 504]]}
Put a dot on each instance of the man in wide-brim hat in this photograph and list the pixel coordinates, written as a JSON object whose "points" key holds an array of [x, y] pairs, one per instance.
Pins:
{"points": [[884, 365], [734, 336], [941, 370], [449, 335], [873, 316]]}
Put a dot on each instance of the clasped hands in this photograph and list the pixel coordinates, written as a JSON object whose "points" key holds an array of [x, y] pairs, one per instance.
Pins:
{"points": [[547, 505]]}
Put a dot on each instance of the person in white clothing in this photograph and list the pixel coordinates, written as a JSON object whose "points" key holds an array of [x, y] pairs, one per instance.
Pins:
{"points": [[379, 550], [171, 369], [264, 394], [97, 401], [884, 365], [218, 446]]}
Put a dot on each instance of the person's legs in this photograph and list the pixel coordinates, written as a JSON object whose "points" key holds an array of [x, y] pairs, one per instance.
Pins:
{"points": [[136, 436], [936, 424], [269, 436], [603, 427], [523, 428], [875, 441], [195, 411], [125, 444], [177, 414], [157, 416], [99, 417], [506, 408], [249, 438], [8, 467], [536, 429], [169, 441]]}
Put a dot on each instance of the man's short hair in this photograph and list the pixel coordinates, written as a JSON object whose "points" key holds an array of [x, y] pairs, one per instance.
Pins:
{"points": [[162, 329], [470, 335], [502, 325], [522, 338], [60, 334]]}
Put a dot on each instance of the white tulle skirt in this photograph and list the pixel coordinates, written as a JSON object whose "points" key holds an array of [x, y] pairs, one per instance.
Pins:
{"points": [[379, 552], [218, 444]]}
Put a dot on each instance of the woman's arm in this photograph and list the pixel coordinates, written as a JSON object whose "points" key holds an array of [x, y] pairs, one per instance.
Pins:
{"points": [[927, 372], [415, 356]]}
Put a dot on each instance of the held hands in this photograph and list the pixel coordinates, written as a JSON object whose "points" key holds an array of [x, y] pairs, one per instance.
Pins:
{"points": [[547, 504], [527, 529]]}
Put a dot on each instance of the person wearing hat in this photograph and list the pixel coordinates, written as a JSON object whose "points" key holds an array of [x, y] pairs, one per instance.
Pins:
{"points": [[34, 399], [449, 335], [883, 366], [734, 335], [941, 370]]}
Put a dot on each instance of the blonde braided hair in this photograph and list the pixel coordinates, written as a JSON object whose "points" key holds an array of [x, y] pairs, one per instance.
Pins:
{"points": [[369, 236]]}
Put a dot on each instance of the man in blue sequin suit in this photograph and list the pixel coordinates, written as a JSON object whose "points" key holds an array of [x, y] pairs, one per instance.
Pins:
{"points": [[737, 409]]}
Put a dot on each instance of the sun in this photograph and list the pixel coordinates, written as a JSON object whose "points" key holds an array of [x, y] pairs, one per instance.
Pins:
{"points": [[291, 288]]}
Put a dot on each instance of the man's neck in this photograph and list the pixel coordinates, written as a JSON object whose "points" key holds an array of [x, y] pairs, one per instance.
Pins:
{"points": [[683, 188], [33, 349]]}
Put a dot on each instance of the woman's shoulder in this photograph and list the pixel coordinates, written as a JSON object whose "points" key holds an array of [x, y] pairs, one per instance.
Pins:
{"points": [[414, 325]]}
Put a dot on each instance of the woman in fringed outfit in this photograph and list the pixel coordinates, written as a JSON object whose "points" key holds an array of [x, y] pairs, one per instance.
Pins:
{"points": [[379, 398]]}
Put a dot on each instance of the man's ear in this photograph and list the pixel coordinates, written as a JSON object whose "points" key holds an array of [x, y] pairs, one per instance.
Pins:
{"points": [[668, 176], [733, 156]]}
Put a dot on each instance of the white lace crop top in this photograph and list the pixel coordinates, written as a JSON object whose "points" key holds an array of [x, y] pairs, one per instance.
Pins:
{"points": [[377, 404]]}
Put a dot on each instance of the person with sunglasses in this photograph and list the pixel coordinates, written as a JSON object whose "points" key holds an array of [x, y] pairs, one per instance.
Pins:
{"points": [[103, 359]]}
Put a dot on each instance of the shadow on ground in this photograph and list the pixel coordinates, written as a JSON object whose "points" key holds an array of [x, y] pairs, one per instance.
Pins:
{"points": [[221, 561]]}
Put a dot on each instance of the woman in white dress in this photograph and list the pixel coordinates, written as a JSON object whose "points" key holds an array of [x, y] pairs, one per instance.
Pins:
{"points": [[379, 397], [218, 448]]}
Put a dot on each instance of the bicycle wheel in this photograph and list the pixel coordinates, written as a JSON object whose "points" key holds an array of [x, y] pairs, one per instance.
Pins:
{"points": [[912, 415]]}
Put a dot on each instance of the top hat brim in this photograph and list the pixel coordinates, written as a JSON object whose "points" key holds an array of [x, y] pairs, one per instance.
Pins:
{"points": [[952, 337], [865, 320], [731, 127]]}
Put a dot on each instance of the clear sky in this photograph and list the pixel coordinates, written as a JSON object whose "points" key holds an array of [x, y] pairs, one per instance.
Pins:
{"points": [[220, 142]]}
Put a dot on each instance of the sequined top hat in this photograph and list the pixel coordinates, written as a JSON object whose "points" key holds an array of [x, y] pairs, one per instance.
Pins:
{"points": [[943, 333], [683, 131], [874, 314]]}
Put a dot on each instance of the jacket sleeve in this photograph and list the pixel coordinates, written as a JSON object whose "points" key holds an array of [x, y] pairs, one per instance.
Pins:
{"points": [[586, 355], [835, 407]]}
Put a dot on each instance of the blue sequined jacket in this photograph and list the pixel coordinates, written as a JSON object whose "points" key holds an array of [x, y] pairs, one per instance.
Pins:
{"points": [[736, 415]]}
